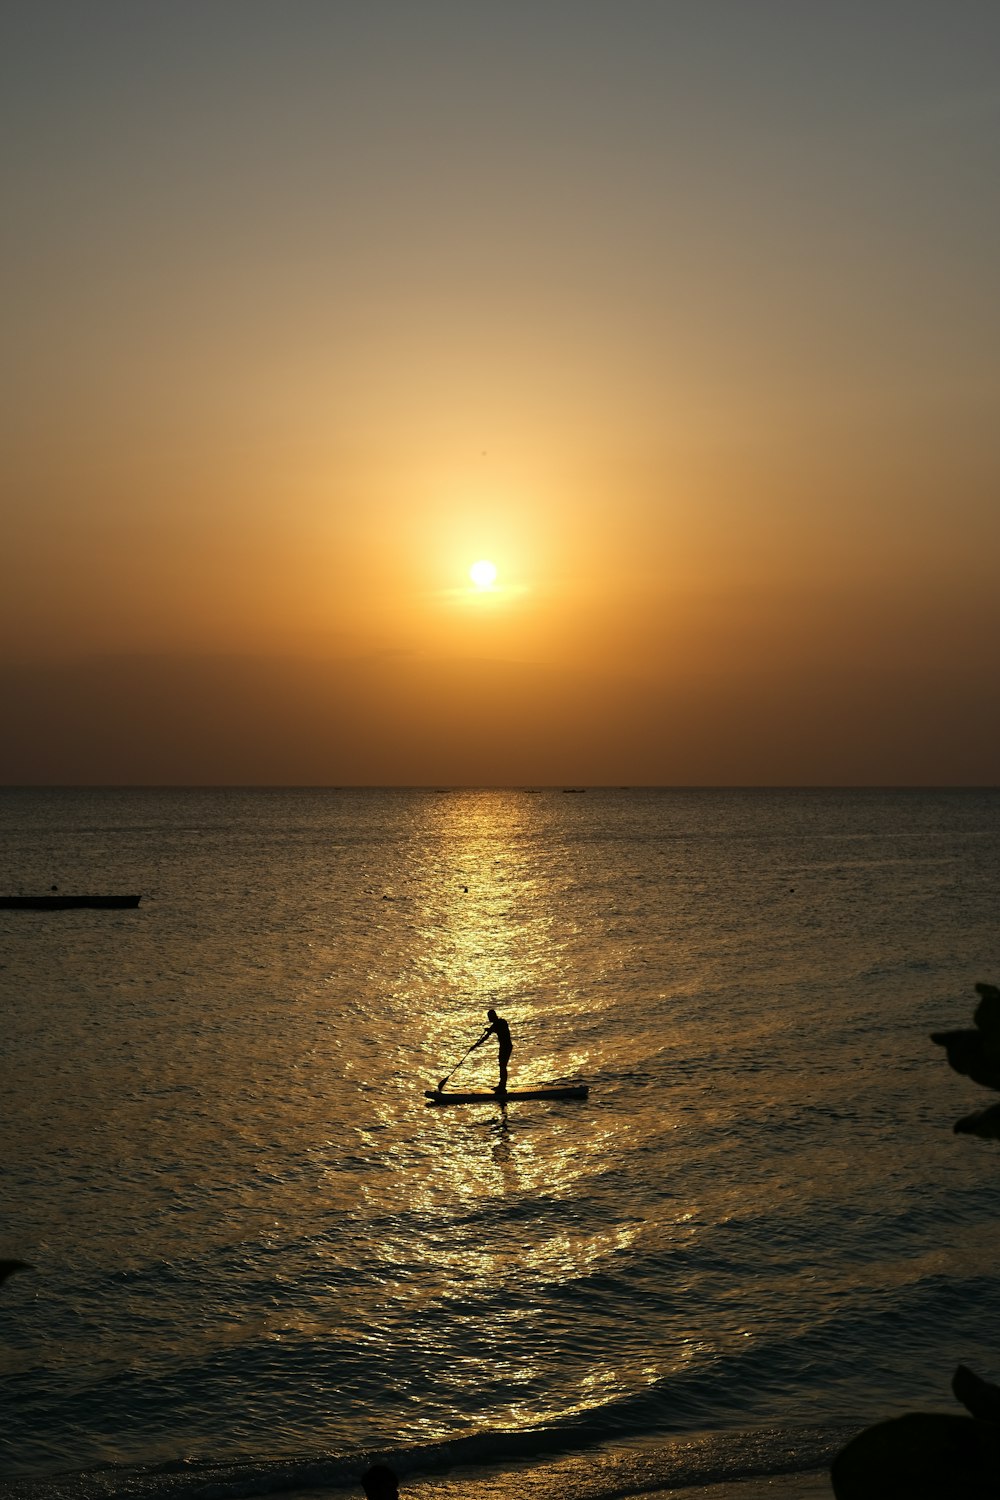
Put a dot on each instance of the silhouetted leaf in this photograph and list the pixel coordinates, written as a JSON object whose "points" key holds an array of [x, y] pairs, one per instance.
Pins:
{"points": [[974, 1053], [985, 1123], [987, 1016], [8, 1267]]}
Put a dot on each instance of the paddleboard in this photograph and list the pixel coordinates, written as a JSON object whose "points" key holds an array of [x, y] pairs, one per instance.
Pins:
{"points": [[566, 1091]]}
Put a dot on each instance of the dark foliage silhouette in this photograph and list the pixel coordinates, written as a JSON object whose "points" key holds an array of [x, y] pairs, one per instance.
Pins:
{"points": [[934, 1455]]}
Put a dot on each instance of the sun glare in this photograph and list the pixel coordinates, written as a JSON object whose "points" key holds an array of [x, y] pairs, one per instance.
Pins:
{"points": [[483, 574]]}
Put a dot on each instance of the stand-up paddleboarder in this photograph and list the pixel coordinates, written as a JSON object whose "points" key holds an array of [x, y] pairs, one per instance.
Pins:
{"points": [[498, 1027]]}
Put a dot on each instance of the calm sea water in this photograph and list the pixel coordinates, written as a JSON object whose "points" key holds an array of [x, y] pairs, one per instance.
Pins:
{"points": [[259, 1255]]}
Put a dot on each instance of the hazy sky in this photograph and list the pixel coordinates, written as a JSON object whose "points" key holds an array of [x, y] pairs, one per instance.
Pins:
{"points": [[682, 312]]}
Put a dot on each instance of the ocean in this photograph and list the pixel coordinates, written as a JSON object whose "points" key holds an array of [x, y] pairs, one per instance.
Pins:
{"points": [[260, 1258]]}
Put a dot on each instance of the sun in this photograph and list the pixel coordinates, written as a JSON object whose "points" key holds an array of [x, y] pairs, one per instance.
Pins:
{"points": [[483, 574]]}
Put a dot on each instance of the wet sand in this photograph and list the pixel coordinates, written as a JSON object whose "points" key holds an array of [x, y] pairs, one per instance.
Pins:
{"points": [[604, 1478], [814, 1486]]}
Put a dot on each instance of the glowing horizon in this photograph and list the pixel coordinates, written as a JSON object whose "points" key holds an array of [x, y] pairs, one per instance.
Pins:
{"points": [[697, 347]]}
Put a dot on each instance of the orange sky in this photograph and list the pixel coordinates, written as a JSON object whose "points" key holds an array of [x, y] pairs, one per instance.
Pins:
{"points": [[684, 314]]}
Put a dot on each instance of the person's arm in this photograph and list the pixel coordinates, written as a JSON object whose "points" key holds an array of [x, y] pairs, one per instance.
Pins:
{"points": [[481, 1039]]}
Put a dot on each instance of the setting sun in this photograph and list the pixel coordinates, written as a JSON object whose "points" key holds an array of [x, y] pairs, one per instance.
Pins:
{"points": [[522, 423]]}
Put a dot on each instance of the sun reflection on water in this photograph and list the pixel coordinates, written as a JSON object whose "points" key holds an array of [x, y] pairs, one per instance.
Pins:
{"points": [[482, 937]]}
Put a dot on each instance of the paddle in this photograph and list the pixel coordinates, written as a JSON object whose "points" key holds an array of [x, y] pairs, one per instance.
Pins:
{"points": [[461, 1060]]}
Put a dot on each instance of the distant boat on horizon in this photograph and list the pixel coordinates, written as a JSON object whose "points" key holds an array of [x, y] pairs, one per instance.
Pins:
{"points": [[59, 902]]}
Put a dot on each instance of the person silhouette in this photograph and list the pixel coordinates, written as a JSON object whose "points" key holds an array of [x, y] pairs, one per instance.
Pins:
{"points": [[380, 1483], [499, 1028]]}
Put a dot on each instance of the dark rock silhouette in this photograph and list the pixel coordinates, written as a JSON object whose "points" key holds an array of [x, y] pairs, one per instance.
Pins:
{"points": [[979, 1397], [921, 1456], [934, 1455]]}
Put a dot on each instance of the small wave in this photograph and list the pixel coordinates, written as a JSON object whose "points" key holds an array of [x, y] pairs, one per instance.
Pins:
{"points": [[565, 1458]]}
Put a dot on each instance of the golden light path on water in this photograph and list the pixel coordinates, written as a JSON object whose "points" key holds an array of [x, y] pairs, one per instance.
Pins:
{"points": [[494, 920], [491, 923]]}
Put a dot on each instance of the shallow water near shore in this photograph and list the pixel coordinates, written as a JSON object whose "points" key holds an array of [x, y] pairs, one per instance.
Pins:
{"points": [[259, 1256]]}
